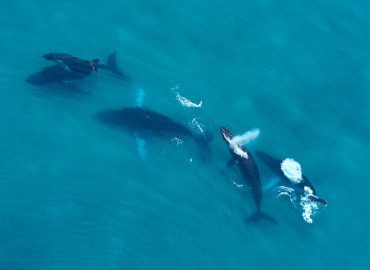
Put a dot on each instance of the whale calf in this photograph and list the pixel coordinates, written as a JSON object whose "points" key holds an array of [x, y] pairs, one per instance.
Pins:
{"points": [[248, 168], [275, 165]]}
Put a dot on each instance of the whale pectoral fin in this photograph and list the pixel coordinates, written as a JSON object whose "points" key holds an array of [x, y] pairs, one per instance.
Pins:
{"points": [[141, 146], [93, 64], [63, 66], [316, 199], [230, 163]]}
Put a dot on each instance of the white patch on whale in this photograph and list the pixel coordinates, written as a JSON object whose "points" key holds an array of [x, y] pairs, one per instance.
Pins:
{"points": [[292, 170], [184, 101]]}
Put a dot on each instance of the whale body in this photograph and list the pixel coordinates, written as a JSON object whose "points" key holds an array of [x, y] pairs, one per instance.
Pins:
{"points": [[275, 165], [248, 168], [147, 123]]}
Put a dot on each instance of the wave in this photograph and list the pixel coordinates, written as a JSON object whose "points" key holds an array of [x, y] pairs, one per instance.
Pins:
{"points": [[184, 101]]}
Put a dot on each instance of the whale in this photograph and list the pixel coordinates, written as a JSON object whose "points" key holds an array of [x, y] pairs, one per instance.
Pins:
{"points": [[249, 170], [68, 70], [145, 123], [72, 63], [275, 165]]}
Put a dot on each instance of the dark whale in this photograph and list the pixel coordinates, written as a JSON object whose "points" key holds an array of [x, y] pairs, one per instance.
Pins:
{"points": [[274, 164], [72, 63], [248, 168], [148, 124], [63, 73]]}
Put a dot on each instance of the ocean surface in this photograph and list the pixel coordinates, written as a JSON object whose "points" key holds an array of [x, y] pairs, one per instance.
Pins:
{"points": [[78, 194]]}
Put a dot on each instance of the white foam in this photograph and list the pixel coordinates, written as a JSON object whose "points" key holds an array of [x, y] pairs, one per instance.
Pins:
{"points": [[303, 204], [292, 170], [184, 101], [309, 207]]}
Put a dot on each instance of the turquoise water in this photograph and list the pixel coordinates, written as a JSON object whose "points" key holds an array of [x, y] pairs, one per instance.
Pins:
{"points": [[76, 194]]}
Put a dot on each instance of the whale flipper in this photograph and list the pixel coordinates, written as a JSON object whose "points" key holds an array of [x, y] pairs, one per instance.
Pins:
{"points": [[141, 146], [258, 216], [93, 64], [141, 142], [230, 163], [63, 66], [316, 199]]}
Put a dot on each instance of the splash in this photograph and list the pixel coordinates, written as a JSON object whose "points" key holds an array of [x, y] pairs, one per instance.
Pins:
{"points": [[303, 204], [246, 137], [292, 170], [184, 101], [309, 207]]}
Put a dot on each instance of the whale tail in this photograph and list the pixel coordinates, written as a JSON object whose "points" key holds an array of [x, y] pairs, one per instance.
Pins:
{"points": [[93, 64], [258, 216], [112, 64]]}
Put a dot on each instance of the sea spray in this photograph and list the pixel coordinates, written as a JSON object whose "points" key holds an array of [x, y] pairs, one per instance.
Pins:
{"points": [[246, 137]]}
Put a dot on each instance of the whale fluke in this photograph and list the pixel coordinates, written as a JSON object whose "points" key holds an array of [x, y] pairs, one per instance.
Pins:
{"points": [[112, 64]]}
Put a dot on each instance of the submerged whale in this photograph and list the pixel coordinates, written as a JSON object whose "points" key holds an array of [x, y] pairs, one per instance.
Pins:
{"points": [[146, 123], [248, 168], [69, 68], [275, 165]]}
